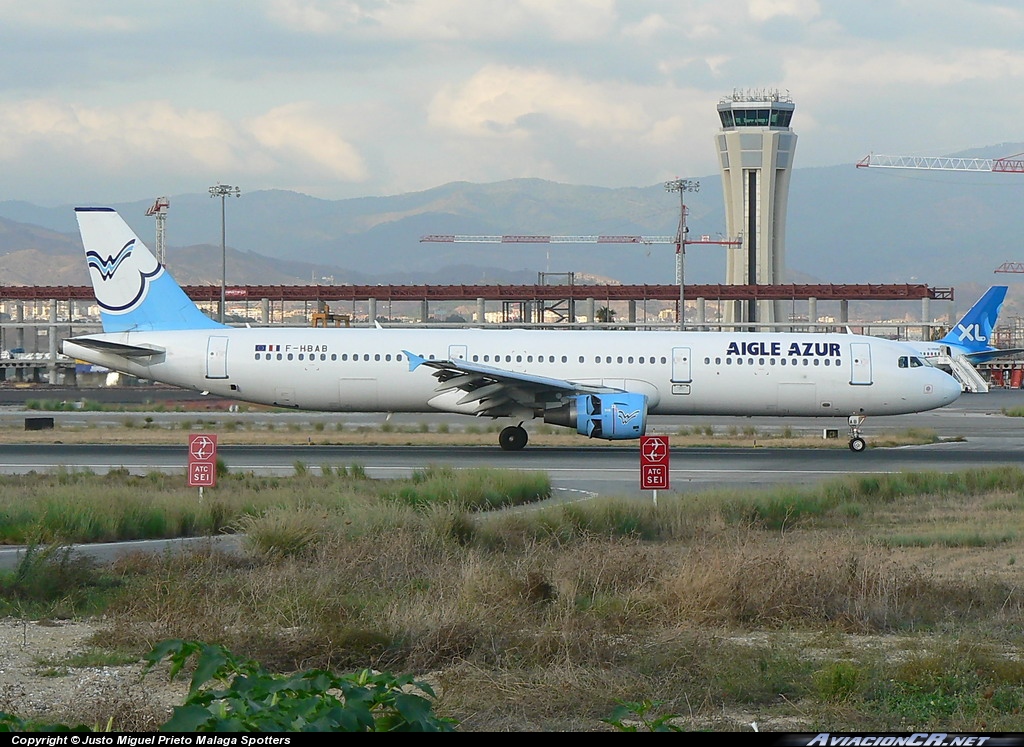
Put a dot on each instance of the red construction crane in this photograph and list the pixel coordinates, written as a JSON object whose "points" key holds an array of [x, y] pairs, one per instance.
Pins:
{"points": [[1009, 165]]}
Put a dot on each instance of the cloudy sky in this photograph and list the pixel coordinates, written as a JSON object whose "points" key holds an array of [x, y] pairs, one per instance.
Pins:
{"points": [[117, 100]]}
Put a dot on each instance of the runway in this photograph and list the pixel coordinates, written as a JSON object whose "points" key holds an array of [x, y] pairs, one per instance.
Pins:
{"points": [[984, 436]]}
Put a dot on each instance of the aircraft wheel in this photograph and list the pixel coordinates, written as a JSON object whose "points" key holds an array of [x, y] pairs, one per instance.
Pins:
{"points": [[513, 438], [857, 444]]}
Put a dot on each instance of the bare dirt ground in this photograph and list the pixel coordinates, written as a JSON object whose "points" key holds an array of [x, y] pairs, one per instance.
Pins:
{"points": [[43, 677]]}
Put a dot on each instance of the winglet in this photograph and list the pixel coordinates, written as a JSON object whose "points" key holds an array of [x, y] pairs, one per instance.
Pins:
{"points": [[414, 360]]}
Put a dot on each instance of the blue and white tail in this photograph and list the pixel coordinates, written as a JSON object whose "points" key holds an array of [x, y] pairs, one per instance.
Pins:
{"points": [[133, 290], [972, 335]]}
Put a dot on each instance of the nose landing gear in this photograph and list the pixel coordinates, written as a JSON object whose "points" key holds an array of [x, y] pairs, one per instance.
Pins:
{"points": [[857, 444]]}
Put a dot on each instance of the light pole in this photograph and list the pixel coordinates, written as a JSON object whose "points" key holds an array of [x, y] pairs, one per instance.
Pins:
{"points": [[222, 191], [680, 186]]}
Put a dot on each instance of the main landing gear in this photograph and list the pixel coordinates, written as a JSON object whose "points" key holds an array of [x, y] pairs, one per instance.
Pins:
{"points": [[513, 438], [857, 444]]}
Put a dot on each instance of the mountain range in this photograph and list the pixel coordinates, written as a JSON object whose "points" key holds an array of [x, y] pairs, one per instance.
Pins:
{"points": [[845, 225]]}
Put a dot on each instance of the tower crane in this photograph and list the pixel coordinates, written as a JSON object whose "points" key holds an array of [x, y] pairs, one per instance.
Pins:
{"points": [[1014, 164], [1008, 165], [680, 240], [159, 210]]}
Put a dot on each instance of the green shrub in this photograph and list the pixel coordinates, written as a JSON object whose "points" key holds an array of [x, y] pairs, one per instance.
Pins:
{"points": [[228, 694]]}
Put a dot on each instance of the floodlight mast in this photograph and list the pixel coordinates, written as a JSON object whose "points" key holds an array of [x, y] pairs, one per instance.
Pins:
{"points": [[222, 191], [680, 186]]}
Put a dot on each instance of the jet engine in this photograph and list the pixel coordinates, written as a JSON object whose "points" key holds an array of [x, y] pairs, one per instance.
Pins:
{"points": [[615, 416]]}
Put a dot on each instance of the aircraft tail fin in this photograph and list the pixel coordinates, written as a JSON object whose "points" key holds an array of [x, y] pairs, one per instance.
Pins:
{"points": [[974, 330], [133, 290]]}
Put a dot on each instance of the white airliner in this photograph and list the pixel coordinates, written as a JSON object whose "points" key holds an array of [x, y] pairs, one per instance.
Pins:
{"points": [[604, 384]]}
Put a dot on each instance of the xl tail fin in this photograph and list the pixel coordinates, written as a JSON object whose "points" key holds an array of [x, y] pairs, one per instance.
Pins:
{"points": [[132, 288], [974, 330]]}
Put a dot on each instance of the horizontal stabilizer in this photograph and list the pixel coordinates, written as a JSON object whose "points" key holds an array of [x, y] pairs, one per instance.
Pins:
{"points": [[115, 348]]}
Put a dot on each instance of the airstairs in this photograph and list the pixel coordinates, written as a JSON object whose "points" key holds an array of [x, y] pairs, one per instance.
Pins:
{"points": [[967, 375]]}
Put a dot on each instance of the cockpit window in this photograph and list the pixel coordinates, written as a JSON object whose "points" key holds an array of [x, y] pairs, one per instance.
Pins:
{"points": [[910, 361]]}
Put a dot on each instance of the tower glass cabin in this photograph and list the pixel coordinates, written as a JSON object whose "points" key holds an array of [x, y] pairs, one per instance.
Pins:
{"points": [[755, 150]]}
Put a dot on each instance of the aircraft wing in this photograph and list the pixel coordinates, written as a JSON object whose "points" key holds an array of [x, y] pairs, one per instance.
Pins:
{"points": [[493, 391], [116, 348]]}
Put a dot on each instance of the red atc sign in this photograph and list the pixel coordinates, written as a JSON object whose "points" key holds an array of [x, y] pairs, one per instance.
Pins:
{"points": [[202, 460], [654, 460]]}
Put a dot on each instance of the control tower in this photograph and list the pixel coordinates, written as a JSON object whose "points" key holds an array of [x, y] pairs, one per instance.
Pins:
{"points": [[755, 151]]}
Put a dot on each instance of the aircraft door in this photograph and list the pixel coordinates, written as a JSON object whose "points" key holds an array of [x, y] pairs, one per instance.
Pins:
{"points": [[681, 365], [860, 363], [457, 352], [217, 357]]}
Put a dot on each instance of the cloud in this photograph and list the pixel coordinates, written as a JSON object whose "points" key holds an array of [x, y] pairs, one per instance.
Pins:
{"points": [[498, 100], [157, 138], [446, 19], [803, 10], [294, 131]]}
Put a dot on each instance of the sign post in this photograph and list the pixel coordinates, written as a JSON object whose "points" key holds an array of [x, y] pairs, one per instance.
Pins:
{"points": [[202, 461], [654, 464]]}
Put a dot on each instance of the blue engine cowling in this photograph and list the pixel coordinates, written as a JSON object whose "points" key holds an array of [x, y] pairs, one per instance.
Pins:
{"points": [[614, 417]]}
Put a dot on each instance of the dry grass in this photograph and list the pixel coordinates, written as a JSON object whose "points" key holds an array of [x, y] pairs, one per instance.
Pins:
{"points": [[306, 434], [896, 608]]}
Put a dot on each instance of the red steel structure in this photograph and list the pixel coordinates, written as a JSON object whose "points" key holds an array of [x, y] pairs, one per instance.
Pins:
{"points": [[829, 292]]}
